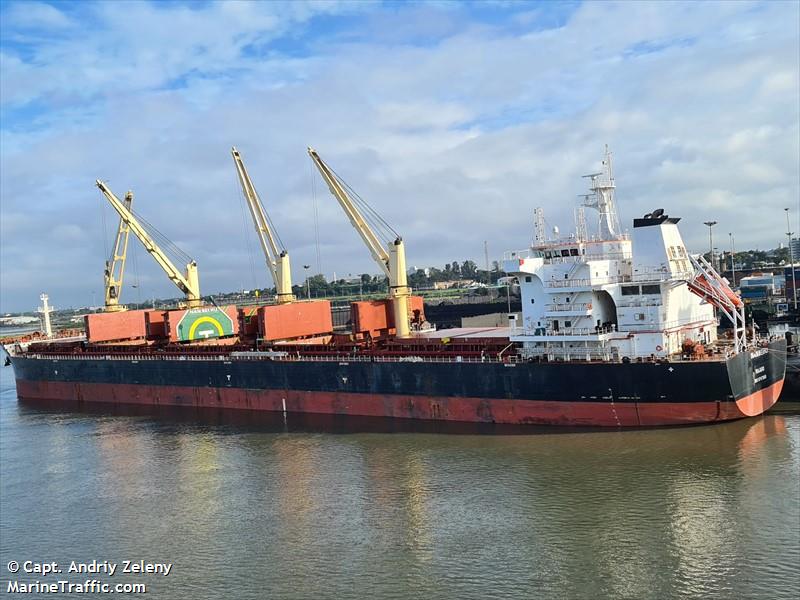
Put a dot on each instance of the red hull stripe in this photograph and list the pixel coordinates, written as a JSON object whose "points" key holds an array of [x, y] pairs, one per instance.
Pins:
{"points": [[760, 401], [470, 410]]}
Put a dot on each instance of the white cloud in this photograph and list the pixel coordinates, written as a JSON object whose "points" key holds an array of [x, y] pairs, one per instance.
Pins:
{"points": [[36, 15], [140, 46], [68, 233]]}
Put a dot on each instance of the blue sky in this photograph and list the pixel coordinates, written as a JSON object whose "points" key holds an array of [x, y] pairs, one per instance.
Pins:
{"points": [[454, 120]]}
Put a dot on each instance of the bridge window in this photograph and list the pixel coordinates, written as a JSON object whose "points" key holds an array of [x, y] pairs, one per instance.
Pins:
{"points": [[630, 290], [528, 279], [651, 289]]}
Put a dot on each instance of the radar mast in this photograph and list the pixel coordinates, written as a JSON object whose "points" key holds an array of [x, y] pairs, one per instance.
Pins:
{"points": [[602, 199]]}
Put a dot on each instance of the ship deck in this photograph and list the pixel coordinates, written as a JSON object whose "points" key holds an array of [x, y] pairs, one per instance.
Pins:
{"points": [[466, 333]]}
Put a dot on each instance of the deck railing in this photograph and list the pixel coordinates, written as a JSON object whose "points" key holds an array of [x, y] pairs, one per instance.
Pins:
{"points": [[578, 306], [287, 358], [586, 282]]}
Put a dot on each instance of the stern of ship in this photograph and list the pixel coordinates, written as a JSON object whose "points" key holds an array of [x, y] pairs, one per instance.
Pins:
{"points": [[756, 377]]}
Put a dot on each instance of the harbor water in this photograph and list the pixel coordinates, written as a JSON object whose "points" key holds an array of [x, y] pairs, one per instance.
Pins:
{"points": [[303, 508]]}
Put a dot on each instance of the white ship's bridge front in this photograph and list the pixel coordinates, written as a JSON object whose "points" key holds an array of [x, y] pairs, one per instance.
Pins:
{"points": [[608, 294]]}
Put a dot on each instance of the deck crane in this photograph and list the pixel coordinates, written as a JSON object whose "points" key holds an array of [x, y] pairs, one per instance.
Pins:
{"points": [[276, 255], [390, 255], [188, 281], [115, 266]]}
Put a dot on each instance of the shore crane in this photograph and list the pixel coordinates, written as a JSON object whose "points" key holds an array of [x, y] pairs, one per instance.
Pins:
{"points": [[390, 255], [115, 265], [275, 254], [187, 281]]}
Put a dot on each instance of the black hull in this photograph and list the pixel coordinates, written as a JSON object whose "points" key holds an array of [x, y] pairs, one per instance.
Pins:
{"points": [[605, 394]]}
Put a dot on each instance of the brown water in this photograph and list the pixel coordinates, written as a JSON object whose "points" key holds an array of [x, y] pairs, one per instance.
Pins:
{"points": [[262, 510]]}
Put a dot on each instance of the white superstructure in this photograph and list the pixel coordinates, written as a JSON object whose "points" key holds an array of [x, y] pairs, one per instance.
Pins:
{"points": [[609, 295]]}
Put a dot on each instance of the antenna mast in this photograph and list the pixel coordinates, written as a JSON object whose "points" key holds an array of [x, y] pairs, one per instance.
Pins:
{"points": [[581, 232], [539, 227], [45, 309], [602, 199]]}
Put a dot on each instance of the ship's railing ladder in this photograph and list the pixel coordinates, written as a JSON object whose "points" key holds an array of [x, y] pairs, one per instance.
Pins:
{"points": [[710, 285], [574, 267]]}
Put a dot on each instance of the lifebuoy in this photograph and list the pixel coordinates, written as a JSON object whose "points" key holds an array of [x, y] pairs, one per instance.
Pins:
{"points": [[659, 348]]}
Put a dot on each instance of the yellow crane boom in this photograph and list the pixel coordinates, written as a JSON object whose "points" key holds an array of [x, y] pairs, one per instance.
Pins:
{"points": [[187, 282], [115, 266], [277, 258], [391, 259]]}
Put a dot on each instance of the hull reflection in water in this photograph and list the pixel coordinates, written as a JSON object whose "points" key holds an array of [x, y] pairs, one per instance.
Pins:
{"points": [[705, 512], [275, 422]]}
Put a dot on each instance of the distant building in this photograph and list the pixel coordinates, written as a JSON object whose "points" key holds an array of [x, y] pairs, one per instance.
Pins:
{"points": [[761, 287], [795, 248], [452, 283], [788, 283], [22, 320]]}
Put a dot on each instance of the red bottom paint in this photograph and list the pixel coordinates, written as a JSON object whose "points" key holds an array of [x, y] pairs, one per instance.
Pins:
{"points": [[470, 410], [760, 401]]}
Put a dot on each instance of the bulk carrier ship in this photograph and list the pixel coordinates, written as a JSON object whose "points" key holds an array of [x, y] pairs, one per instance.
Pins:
{"points": [[617, 330]]}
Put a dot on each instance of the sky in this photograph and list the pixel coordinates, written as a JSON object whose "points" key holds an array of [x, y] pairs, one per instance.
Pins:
{"points": [[453, 120]]}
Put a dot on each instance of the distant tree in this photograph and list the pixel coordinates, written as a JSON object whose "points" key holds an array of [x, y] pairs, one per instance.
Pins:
{"points": [[781, 254], [469, 269], [379, 284], [366, 278], [418, 279], [319, 285], [455, 268]]}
